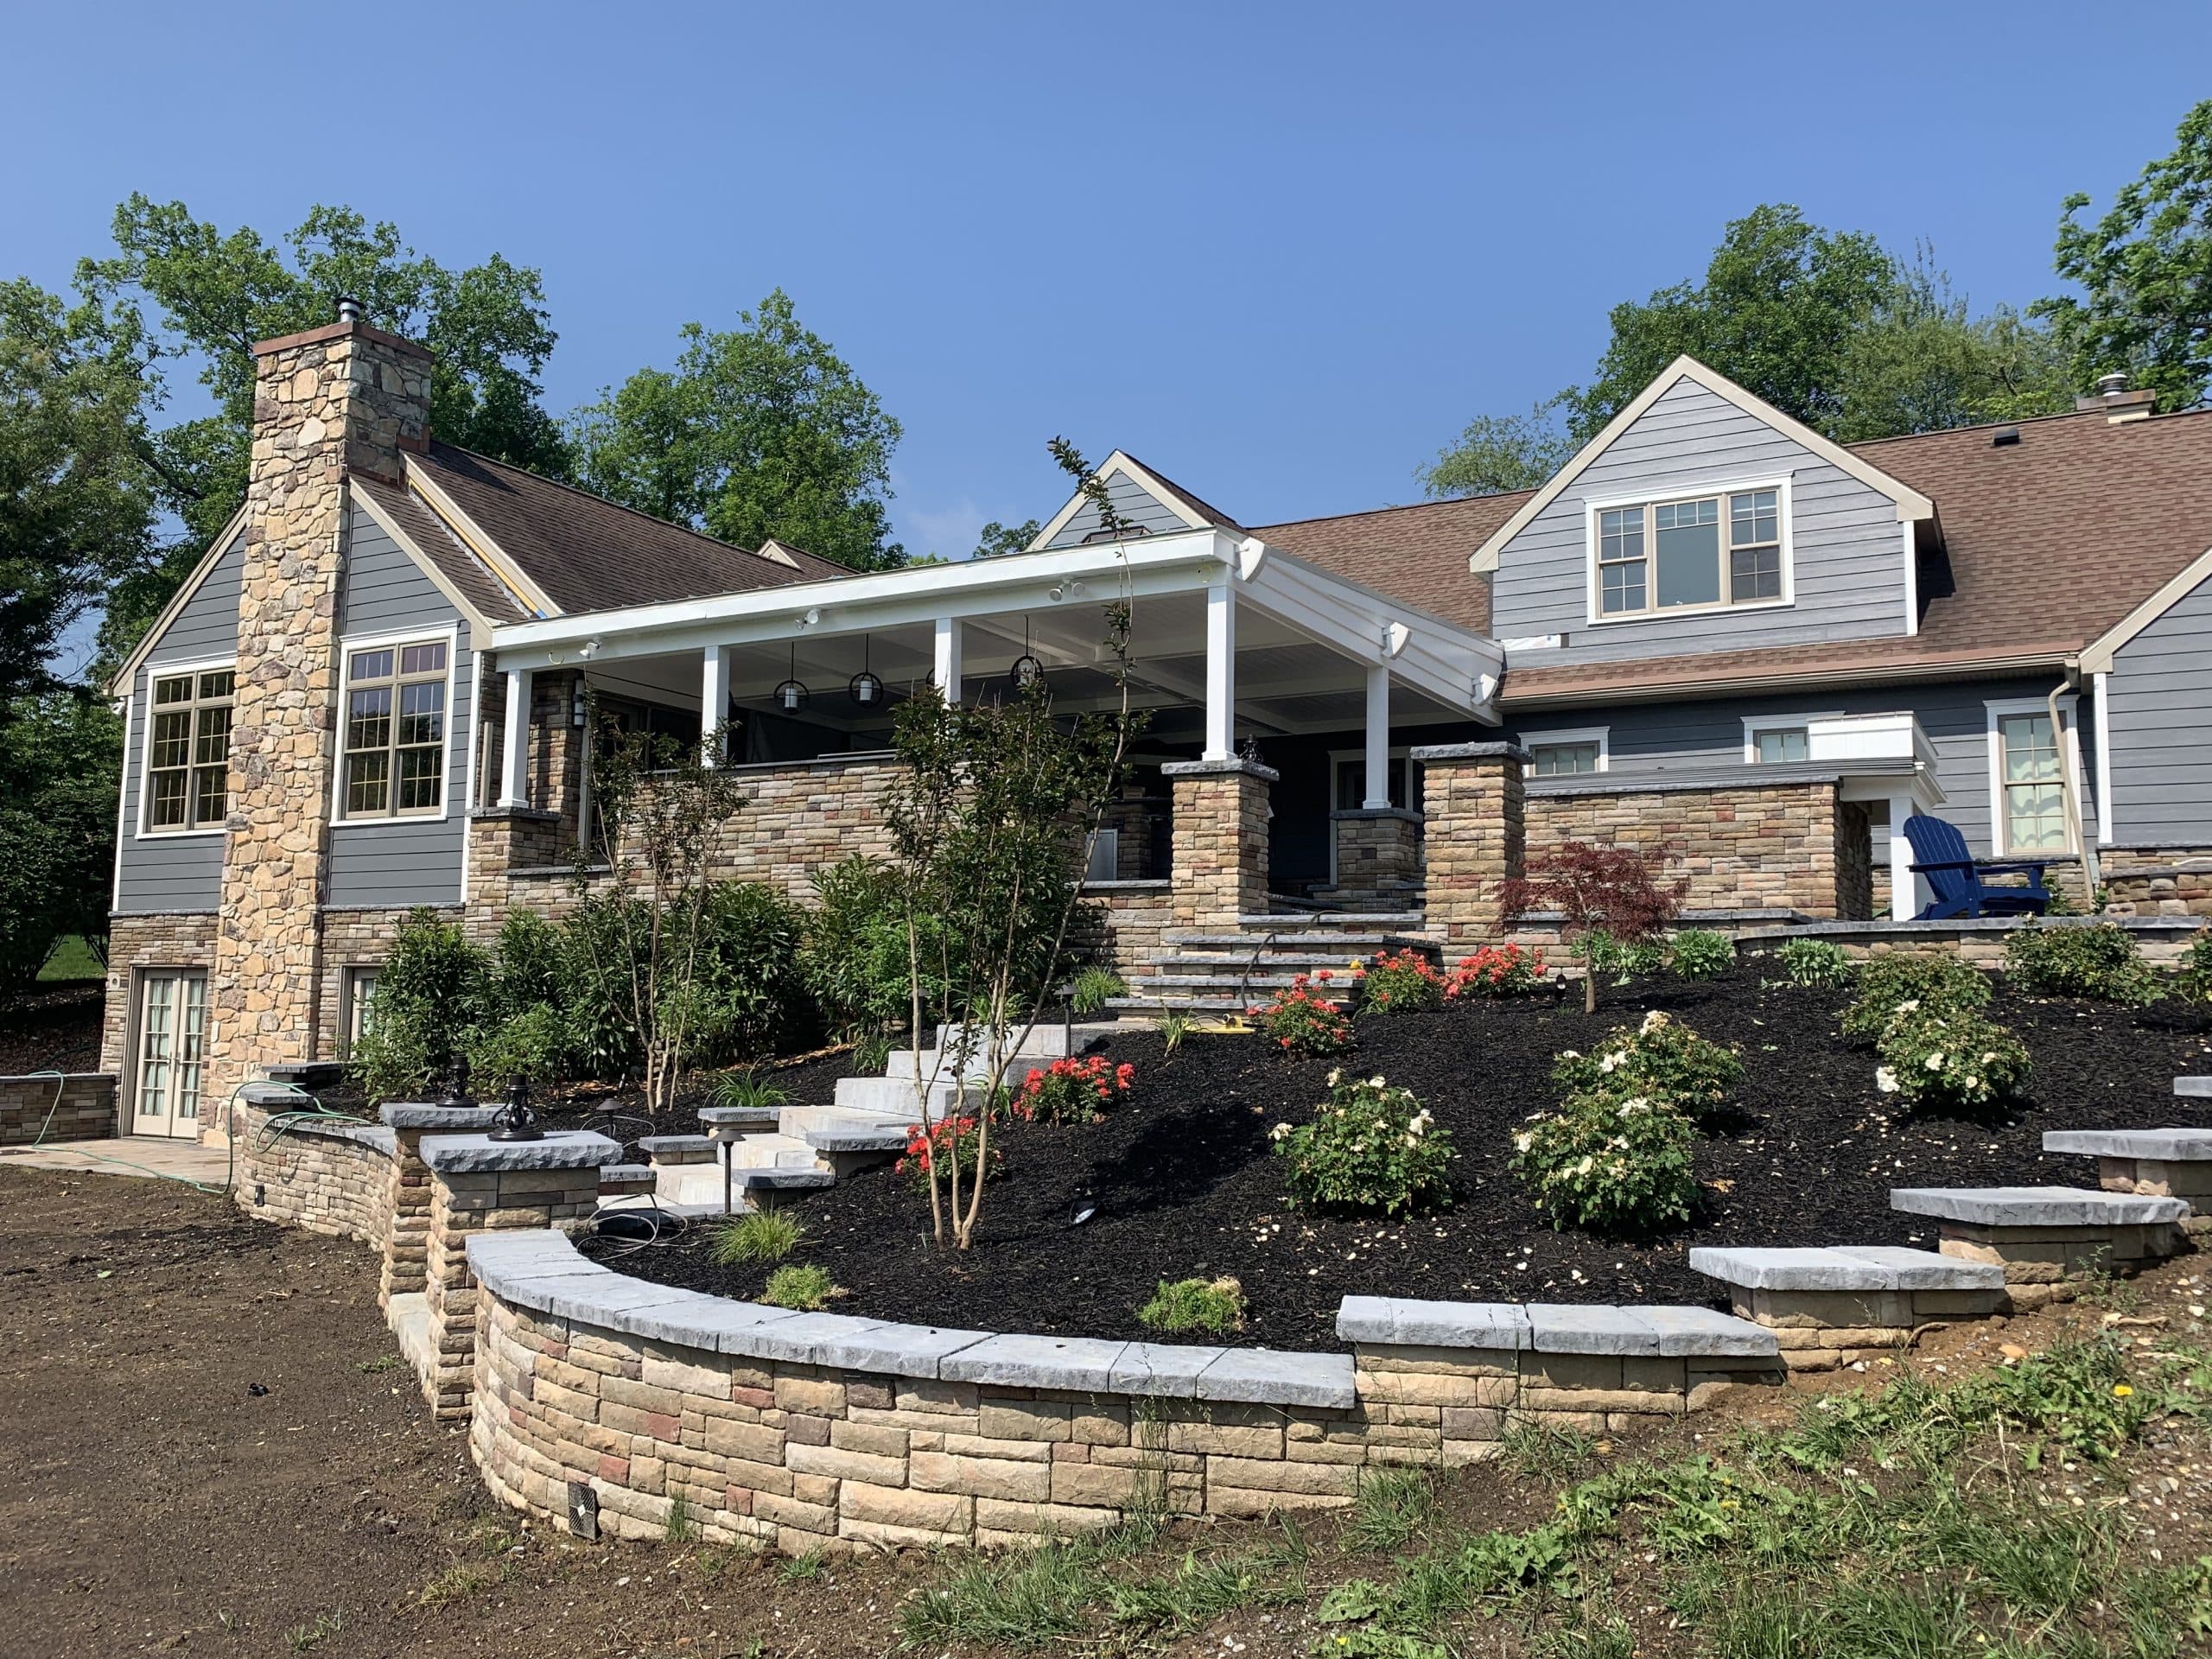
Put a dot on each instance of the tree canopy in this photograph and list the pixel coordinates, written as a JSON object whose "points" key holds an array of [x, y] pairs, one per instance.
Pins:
{"points": [[759, 431]]}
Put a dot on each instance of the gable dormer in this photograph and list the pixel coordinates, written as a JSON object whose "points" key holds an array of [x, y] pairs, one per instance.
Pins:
{"points": [[1149, 503], [1703, 518]]}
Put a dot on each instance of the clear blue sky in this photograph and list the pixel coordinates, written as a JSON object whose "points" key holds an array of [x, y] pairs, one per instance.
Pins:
{"points": [[1282, 252]]}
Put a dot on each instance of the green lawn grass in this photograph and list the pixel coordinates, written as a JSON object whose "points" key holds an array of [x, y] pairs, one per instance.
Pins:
{"points": [[72, 960]]}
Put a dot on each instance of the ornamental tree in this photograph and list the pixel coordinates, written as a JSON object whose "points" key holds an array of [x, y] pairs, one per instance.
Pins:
{"points": [[1600, 894]]}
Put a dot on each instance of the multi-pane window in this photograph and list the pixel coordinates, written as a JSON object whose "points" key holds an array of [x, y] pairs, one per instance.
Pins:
{"points": [[395, 731], [1774, 744], [188, 750], [1715, 550], [1352, 782], [1563, 759], [2033, 795]]}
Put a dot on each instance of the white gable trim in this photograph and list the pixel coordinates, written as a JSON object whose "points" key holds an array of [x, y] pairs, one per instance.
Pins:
{"points": [[1910, 503], [222, 543], [2097, 656], [1121, 465], [480, 625], [471, 535]]}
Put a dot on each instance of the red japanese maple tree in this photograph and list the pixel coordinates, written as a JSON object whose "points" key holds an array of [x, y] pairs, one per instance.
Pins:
{"points": [[1600, 893]]}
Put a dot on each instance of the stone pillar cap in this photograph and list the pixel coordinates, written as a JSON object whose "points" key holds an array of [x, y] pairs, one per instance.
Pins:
{"points": [[1432, 753], [1235, 764], [477, 1154]]}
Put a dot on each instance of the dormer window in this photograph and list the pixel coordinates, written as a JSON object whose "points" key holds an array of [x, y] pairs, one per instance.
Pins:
{"points": [[1701, 552]]}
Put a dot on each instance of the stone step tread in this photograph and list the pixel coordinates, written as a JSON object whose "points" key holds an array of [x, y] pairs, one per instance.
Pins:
{"points": [[1050, 1038], [2035, 1206], [656, 1146], [856, 1134], [1227, 983], [2193, 1088], [1843, 1267], [736, 1116], [938, 1066], [2156, 1146], [1352, 943], [1324, 920], [1555, 1328]]}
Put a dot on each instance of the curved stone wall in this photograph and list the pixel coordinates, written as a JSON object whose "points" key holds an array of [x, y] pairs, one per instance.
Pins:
{"points": [[331, 1178]]}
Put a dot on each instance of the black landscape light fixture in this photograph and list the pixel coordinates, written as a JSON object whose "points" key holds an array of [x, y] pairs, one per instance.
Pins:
{"points": [[793, 695], [515, 1121], [1027, 670], [457, 1081], [865, 690]]}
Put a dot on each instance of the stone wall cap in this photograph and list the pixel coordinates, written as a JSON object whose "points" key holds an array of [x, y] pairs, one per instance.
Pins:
{"points": [[421, 1115], [1027, 1361], [2193, 1088], [1443, 754], [477, 1154], [1161, 1370], [1565, 1328], [347, 329], [737, 1114], [653, 1143], [2035, 1206], [45, 1078], [626, 1172], [2160, 1146], [1432, 1325], [1919, 930], [1869, 1267], [524, 814], [1266, 1377], [1230, 767]]}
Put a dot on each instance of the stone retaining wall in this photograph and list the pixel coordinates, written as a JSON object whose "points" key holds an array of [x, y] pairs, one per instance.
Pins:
{"points": [[2157, 881], [1122, 925], [2162, 939], [331, 1178], [77, 1107]]}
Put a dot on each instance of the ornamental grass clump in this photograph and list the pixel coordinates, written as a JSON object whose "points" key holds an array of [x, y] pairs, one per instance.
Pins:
{"points": [[1370, 1145], [1073, 1090], [2100, 962], [1397, 983], [1663, 1058], [1298, 1022], [1944, 1060], [1496, 970], [1887, 983], [1612, 1163], [1215, 1305]]}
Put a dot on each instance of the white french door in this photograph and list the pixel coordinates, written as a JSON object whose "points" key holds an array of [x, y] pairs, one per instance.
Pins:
{"points": [[170, 1054]]}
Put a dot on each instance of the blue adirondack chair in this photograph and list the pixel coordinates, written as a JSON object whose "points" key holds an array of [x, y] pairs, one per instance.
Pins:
{"points": [[1940, 853]]}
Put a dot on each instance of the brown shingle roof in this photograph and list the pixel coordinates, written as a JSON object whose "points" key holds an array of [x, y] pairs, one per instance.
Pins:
{"points": [[586, 553], [2047, 543], [1419, 553], [490, 596]]}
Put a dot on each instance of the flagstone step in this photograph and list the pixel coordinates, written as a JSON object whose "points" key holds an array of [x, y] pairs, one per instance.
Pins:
{"points": [[939, 1066], [2035, 1206], [667, 1149], [901, 1097], [854, 1132], [1842, 1268], [2151, 1163], [2046, 1238]]}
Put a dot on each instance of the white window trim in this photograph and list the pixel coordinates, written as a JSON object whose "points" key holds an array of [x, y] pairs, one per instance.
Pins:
{"points": [[1601, 735], [1754, 724], [160, 671], [451, 634], [1592, 592], [2069, 757]]}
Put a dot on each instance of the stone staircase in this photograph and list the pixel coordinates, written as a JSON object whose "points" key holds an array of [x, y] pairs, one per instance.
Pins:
{"points": [[1201, 971]]}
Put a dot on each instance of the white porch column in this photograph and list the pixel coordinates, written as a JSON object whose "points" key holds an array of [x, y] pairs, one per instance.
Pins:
{"points": [[946, 674], [1378, 737], [1904, 886], [1221, 669], [514, 742], [714, 703]]}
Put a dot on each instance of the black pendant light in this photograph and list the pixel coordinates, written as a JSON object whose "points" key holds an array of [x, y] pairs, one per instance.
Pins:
{"points": [[792, 696], [1027, 670], [865, 690]]}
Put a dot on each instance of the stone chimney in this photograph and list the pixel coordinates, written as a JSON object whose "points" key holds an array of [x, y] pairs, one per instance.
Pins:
{"points": [[331, 404], [2116, 401]]}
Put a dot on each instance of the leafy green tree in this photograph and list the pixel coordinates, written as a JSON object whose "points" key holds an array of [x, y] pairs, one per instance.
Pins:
{"points": [[1498, 452], [997, 540], [759, 431], [179, 295], [2146, 270], [59, 753]]}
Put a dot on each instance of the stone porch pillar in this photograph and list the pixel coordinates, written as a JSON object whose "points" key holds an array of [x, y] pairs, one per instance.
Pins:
{"points": [[1220, 840], [1378, 857], [407, 1238], [1473, 801], [477, 1186]]}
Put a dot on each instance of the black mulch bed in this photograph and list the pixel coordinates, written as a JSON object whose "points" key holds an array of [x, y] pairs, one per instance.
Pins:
{"points": [[619, 1113], [1185, 1183]]}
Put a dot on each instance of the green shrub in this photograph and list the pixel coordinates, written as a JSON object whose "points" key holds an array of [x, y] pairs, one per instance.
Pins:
{"points": [[1301, 1021], [761, 1235], [1092, 987], [1621, 957], [1195, 1304], [1662, 1057], [855, 957], [1816, 964], [525, 1044], [2100, 962], [1370, 1147], [1614, 1164], [1944, 1060], [751, 994], [431, 991], [1887, 983], [1397, 984], [805, 1289], [2192, 981], [746, 1090], [1699, 953]]}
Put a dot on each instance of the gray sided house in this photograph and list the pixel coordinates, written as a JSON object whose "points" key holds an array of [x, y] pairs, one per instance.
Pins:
{"points": [[1713, 635]]}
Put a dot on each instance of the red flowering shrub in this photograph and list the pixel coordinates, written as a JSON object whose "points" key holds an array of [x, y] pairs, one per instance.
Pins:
{"points": [[1299, 1023], [949, 1143], [1070, 1091], [1496, 970], [1392, 984]]}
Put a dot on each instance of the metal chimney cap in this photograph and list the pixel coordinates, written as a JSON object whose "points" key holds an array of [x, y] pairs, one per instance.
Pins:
{"points": [[2111, 385], [349, 310]]}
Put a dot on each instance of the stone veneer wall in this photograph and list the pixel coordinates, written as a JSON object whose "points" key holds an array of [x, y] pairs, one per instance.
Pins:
{"points": [[79, 1107], [1218, 868], [327, 1178], [802, 815], [2162, 939], [2157, 881], [1476, 811], [1779, 846], [171, 939], [1122, 925], [1378, 858], [357, 938]]}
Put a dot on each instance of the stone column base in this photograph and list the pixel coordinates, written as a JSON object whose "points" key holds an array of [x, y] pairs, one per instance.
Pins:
{"points": [[2041, 1263], [1220, 864], [1473, 800], [407, 1240]]}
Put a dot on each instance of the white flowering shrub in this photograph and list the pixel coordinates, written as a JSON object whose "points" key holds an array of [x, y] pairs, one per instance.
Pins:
{"points": [[1370, 1147], [1662, 1057], [1887, 983], [1612, 1163], [1942, 1059]]}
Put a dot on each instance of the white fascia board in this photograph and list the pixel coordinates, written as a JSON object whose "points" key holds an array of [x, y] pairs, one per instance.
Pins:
{"points": [[879, 600], [119, 683], [2097, 656]]}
